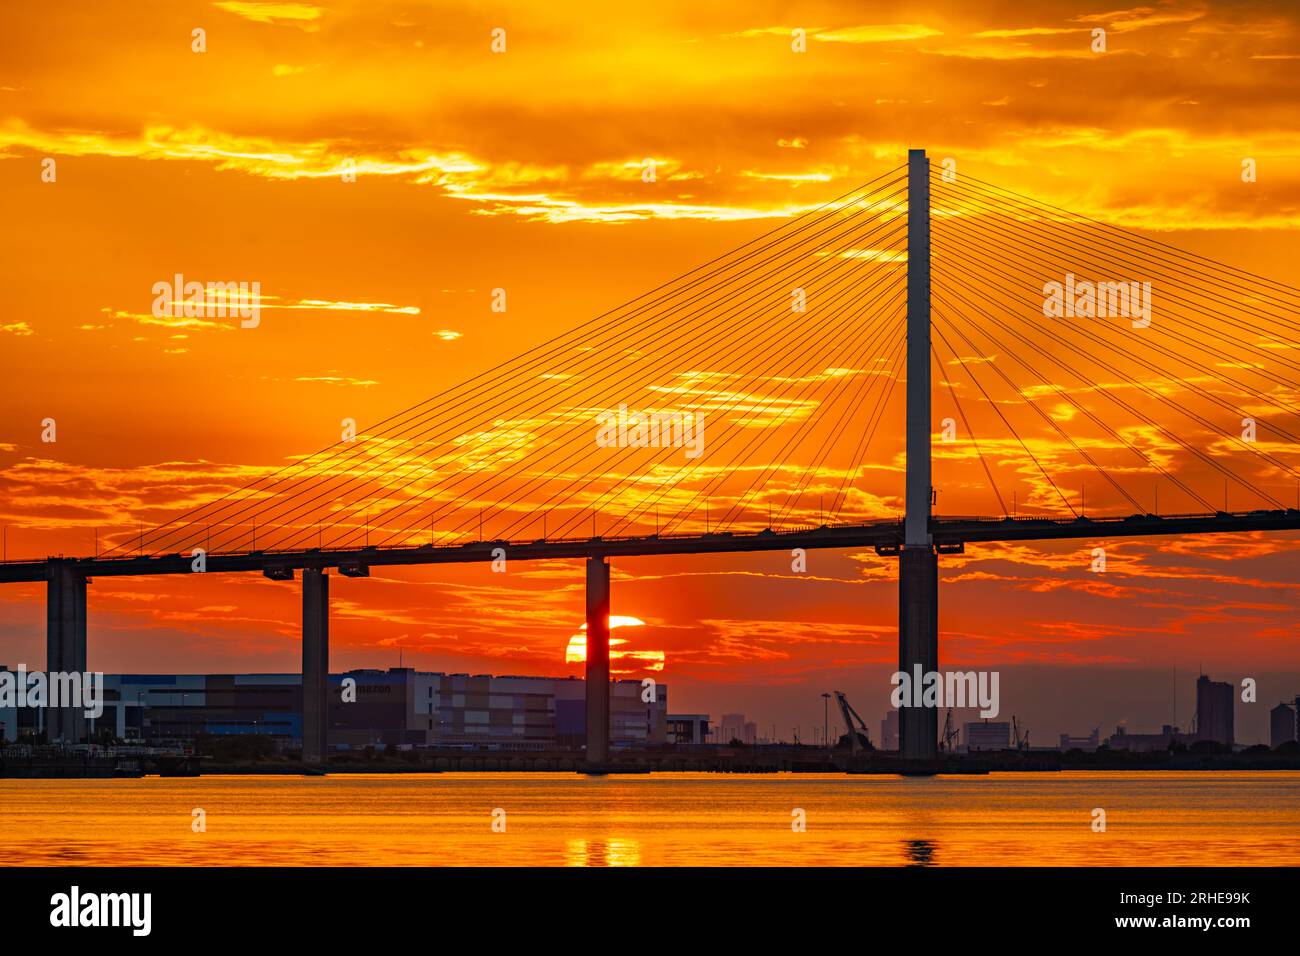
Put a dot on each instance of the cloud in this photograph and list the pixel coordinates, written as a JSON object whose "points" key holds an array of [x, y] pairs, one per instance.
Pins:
{"points": [[214, 298], [337, 380], [301, 15], [327, 305], [443, 136], [877, 33], [1140, 18], [456, 174], [872, 255], [1027, 32]]}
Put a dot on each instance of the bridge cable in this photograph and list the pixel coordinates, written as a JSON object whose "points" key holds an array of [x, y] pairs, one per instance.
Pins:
{"points": [[952, 391], [555, 344]]}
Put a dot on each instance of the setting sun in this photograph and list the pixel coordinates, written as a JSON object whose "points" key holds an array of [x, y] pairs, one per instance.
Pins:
{"points": [[633, 660]]}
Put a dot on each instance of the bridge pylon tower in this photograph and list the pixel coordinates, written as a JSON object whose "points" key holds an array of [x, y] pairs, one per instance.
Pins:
{"points": [[918, 562]]}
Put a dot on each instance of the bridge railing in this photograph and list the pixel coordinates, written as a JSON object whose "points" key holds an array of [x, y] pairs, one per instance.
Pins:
{"points": [[939, 525], [479, 542], [1110, 519]]}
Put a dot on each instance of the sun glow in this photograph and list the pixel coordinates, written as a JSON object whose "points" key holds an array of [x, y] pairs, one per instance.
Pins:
{"points": [[640, 660]]}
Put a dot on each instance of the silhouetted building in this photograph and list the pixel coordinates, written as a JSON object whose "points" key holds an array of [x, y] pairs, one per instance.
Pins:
{"points": [[1214, 711], [688, 728], [1139, 743], [889, 731], [1088, 743], [401, 707], [1281, 722], [732, 727], [988, 735]]}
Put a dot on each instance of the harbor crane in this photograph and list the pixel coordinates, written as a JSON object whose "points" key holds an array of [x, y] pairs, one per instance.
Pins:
{"points": [[948, 743], [1019, 734], [859, 740]]}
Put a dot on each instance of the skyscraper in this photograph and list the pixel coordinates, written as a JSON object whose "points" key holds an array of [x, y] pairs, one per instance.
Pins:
{"points": [[1281, 720], [1214, 711], [889, 731]]}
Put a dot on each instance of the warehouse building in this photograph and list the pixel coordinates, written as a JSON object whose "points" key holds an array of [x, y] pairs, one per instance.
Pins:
{"points": [[369, 708]]}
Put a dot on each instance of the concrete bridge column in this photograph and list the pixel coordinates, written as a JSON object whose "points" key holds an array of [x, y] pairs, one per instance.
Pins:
{"points": [[65, 642], [918, 564], [597, 659], [918, 645], [315, 664]]}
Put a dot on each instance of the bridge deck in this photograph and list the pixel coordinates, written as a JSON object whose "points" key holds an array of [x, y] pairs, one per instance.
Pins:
{"points": [[885, 537]]}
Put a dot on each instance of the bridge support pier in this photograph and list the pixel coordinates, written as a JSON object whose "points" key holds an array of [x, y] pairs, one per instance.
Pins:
{"points": [[597, 659], [918, 647], [65, 643], [315, 664]]}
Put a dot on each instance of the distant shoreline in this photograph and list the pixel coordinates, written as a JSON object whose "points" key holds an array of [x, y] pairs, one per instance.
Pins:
{"points": [[81, 766]]}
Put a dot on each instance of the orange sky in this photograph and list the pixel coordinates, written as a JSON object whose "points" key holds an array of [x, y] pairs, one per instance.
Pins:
{"points": [[522, 170]]}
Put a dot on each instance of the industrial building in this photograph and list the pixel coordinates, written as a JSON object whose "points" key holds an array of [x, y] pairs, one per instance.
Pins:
{"points": [[988, 735], [685, 729], [1146, 743], [1214, 711], [369, 708], [1087, 744]]}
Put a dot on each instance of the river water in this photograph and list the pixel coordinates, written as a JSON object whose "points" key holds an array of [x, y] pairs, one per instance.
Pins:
{"points": [[563, 819]]}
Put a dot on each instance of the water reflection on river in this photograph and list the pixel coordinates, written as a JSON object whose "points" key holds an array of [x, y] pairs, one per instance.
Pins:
{"points": [[1173, 819]]}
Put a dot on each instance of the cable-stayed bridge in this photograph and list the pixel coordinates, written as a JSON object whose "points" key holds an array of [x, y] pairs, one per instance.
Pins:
{"points": [[739, 408]]}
